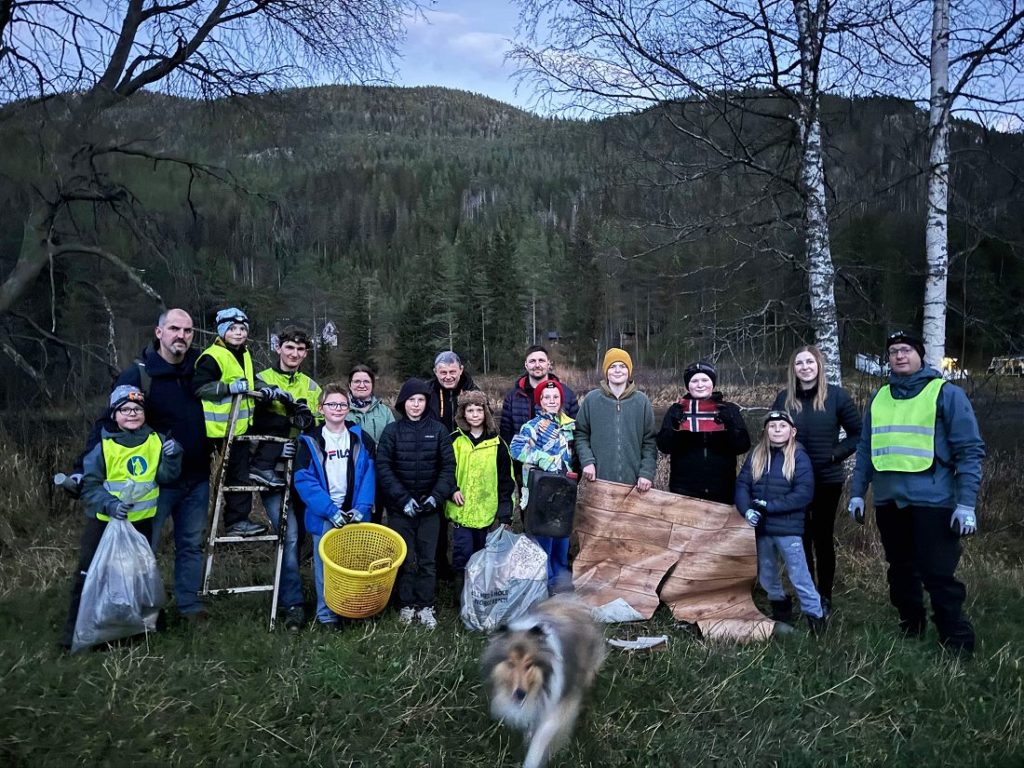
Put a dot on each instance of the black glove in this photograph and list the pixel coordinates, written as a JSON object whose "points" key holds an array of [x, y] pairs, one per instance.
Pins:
{"points": [[428, 505], [760, 506], [267, 393], [302, 417], [675, 418], [725, 416]]}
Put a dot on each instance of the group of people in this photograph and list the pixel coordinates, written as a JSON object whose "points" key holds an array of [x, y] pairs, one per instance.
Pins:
{"points": [[440, 472]]}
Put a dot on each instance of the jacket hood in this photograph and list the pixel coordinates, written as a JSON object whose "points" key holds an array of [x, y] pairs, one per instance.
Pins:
{"points": [[127, 439], [628, 391], [903, 387], [409, 388], [523, 382]]}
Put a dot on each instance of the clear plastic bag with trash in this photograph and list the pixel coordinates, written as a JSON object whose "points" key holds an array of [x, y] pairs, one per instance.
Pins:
{"points": [[503, 580], [123, 592]]}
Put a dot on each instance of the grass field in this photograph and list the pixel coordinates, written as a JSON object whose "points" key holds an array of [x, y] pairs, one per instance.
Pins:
{"points": [[379, 694]]}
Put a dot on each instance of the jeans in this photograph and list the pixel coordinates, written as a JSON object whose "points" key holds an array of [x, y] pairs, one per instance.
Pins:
{"points": [[557, 549], [770, 575], [290, 593], [186, 503], [922, 551], [323, 614]]}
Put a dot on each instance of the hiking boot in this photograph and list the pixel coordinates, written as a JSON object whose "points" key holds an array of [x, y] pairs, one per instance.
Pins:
{"points": [[782, 610], [817, 625], [294, 618], [406, 615], [427, 618], [267, 478], [245, 528]]}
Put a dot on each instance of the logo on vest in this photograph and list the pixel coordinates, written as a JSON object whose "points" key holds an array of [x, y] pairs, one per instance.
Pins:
{"points": [[137, 466]]}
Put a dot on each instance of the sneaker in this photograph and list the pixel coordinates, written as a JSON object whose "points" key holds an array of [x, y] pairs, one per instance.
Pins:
{"points": [[294, 618], [406, 615], [245, 528], [266, 478], [427, 618]]}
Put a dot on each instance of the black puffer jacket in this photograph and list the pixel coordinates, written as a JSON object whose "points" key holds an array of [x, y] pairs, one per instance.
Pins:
{"points": [[443, 403], [818, 431], [414, 458], [703, 464]]}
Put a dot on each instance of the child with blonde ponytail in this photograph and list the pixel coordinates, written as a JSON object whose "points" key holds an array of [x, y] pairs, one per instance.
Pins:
{"points": [[772, 492]]}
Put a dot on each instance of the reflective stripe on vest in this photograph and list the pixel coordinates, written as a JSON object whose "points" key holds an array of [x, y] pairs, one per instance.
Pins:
{"points": [[903, 431], [217, 412], [302, 389], [476, 476], [131, 475]]}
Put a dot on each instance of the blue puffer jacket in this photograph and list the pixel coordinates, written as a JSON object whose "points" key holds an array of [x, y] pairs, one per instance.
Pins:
{"points": [[954, 476], [518, 407], [787, 499], [310, 479]]}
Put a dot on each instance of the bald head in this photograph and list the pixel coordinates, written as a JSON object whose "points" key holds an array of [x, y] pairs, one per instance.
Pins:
{"points": [[174, 335]]}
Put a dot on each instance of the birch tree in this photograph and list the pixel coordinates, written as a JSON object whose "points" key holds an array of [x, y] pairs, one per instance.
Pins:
{"points": [[611, 55]]}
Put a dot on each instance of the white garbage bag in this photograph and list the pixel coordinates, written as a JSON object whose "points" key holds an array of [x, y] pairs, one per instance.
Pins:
{"points": [[503, 580]]}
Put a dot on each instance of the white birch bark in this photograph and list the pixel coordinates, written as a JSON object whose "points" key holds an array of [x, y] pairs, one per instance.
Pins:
{"points": [[821, 273], [937, 227]]}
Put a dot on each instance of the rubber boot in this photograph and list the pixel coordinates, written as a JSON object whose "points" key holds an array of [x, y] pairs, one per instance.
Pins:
{"points": [[782, 610]]}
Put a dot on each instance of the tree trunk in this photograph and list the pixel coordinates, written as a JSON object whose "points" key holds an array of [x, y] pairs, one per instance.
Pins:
{"points": [[31, 260], [937, 228]]}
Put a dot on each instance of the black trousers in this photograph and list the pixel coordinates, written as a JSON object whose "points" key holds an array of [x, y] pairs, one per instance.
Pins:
{"points": [[91, 535], [819, 536], [237, 506], [417, 575], [444, 565], [922, 551]]}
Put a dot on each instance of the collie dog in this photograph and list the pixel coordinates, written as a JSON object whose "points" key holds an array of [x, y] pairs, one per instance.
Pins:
{"points": [[538, 668]]}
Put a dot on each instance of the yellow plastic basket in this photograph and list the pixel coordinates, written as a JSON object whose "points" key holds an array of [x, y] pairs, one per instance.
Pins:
{"points": [[361, 562]]}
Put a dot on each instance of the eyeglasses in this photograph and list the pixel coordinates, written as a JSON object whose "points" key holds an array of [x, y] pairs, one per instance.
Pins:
{"points": [[336, 406], [900, 351], [130, 410]]}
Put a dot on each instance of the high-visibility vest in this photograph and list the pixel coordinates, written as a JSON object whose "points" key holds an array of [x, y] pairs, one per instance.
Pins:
{"points": [[217, 411], [131, 475], [903, 431], [298, 385], [476, 476]]}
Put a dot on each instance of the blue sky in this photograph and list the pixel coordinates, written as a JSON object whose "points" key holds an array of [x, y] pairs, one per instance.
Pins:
{"points": [[462, 44]]}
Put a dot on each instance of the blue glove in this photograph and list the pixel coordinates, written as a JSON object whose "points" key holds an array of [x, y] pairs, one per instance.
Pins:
{"points": [[411, 508], [753, 517], [856, 510], [267, 393], [171, 448], [238, 386], [288, 450], [963, 522], [119, 510], [341, 519]]}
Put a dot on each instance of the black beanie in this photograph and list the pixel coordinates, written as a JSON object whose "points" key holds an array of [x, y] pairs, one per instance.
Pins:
{"points": [[706, 368], [906, 338]]}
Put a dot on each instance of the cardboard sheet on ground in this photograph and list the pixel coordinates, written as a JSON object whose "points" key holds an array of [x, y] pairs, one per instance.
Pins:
{"points": [[628, 543]]}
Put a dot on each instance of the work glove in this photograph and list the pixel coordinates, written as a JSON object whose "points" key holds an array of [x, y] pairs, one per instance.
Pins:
{"points": [[171, 448], [238, 386], [753, 517], [72, 484], [283, 395], [288, 450], [428, 505], [963, 522], [343, 518], [676, 419], [119, 510], [856, 510], [267, 393], [760, 506], [724, 416], [411, 508]]}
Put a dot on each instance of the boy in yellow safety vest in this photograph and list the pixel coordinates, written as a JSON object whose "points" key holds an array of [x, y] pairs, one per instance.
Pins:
{"points": [[121, 480], [223, 370]]}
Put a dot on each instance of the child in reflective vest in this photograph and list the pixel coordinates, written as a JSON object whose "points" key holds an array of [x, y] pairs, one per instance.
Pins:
{"points": [[121, 480], [484, 483]]}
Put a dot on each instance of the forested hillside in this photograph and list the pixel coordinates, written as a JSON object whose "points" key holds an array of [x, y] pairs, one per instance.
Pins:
{"points": [[415, 219]]}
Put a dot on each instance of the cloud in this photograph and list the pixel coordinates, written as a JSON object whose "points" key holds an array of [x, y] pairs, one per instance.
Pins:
{"points": [[486, 48]]}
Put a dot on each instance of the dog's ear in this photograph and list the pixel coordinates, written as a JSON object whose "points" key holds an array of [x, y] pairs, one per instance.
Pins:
{"points": [[538, 630]]}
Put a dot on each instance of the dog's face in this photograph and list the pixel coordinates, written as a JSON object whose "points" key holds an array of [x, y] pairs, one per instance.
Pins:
{"points": [[518, 665]]}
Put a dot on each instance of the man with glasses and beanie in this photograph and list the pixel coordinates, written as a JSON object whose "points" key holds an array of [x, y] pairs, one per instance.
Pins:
{"points": [[921, 451]]}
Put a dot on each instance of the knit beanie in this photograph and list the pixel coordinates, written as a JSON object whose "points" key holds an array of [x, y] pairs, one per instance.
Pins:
{"points": [[906, 338], [706, 368], [616, 355], [126, 393], [779, 416], [228, 317], [549, 384]]}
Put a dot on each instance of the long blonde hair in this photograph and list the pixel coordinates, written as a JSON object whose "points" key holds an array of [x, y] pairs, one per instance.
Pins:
{"points": [[793, 404], [760, 457]]}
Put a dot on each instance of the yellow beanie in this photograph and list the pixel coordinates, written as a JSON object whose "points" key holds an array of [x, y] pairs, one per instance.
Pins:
{"points": [[616, 355]]}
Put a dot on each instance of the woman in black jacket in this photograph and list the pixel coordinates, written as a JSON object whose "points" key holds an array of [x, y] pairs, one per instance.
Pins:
{"points": [[703, 434], [819, 409]]}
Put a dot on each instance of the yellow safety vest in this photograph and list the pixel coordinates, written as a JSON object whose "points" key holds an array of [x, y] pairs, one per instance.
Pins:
{"points": [[302, 389], [903, 431], [218, 411], [477, 477], [133, 469]]}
